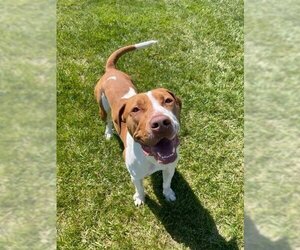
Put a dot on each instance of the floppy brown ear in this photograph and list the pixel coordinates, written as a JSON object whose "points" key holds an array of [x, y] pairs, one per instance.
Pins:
{"points": [[179, 102], [118, 117], [177, 99]]}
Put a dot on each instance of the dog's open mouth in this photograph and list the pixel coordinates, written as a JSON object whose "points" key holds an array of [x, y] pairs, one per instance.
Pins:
{"points": [[164, 151]]}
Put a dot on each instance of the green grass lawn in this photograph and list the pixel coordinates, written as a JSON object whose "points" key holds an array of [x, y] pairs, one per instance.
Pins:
{"points": [[27, 124], [200, 57], [272, 142]]}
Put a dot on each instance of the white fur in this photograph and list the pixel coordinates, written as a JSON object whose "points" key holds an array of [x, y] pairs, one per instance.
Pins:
{"points": [[108, 129], [144, 44], [131, 92], [161, 110], [139, 166], [112, 78]]}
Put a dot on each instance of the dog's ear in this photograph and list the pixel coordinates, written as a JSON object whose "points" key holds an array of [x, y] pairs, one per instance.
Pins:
{"points": [[118, 117], [177, 99]]}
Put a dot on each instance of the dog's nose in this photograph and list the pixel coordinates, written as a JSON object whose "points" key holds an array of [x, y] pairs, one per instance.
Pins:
{"points": [[160, 123]]}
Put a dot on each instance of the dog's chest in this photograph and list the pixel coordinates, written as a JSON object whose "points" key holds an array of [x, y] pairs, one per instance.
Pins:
{"points": [[152, 169], [140, 165]]}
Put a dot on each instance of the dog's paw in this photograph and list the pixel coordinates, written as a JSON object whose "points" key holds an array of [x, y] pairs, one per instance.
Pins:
{"points": [[108, 132], [138, 200], [108, 136], [169, 194]]}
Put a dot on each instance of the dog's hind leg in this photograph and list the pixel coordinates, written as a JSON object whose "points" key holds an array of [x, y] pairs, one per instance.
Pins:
{"points": [[105, 114]]}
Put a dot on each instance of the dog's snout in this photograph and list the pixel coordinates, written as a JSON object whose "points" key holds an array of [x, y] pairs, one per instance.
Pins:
{"points": [[160, 123]]}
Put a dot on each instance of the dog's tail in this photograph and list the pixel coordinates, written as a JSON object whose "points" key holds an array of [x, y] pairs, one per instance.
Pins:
{"points": [[112, 60]]}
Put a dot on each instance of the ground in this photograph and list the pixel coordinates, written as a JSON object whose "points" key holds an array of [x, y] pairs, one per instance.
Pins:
{"points": [[199, 57]]}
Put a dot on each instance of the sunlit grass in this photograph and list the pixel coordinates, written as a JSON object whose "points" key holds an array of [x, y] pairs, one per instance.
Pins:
{"points": [[27, 123], [272, 119], [200, 57]]}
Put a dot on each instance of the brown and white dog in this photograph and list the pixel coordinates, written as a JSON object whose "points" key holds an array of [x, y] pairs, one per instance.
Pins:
{"points": [[147, 123]]}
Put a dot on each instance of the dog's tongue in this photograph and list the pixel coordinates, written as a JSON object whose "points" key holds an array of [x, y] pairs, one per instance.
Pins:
{"points": [[163, 148], [164, 151]]}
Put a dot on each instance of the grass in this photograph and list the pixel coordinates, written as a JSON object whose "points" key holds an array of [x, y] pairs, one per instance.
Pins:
{"points": [[27, 123], [272, 121], [200, 58]]}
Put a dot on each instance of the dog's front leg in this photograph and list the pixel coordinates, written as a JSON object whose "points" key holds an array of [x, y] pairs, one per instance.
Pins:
{"points": [[139, 196], [167, 178]]}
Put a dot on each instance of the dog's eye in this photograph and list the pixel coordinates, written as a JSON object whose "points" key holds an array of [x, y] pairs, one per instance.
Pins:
{"points": [[135, 109], [168, 100]]}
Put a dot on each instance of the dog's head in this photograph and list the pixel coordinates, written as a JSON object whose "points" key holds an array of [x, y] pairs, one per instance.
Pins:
{"points": [[152, 119]]}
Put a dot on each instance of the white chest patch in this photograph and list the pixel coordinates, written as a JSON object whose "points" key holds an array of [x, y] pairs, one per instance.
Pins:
{"points": [[138, 164], [131, 92]]}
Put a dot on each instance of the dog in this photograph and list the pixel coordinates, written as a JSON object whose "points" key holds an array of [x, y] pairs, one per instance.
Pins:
{"points": [[147, 123]]}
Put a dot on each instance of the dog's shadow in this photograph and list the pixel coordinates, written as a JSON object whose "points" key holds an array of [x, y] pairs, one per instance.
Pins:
{"points": [[255, 240], [186, 220]]}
